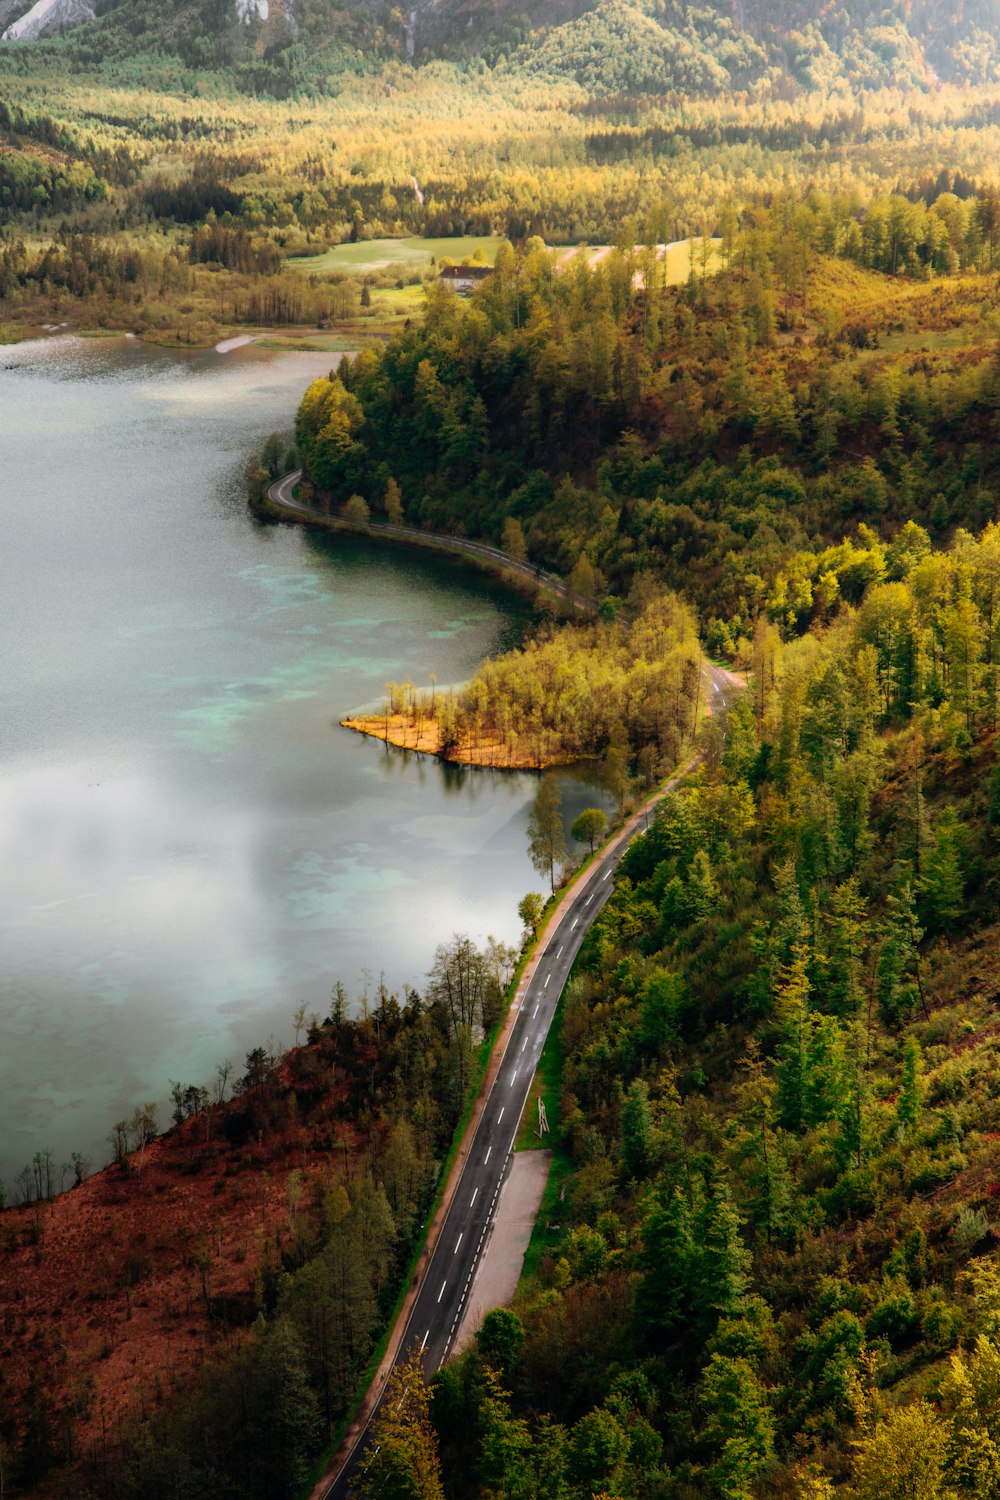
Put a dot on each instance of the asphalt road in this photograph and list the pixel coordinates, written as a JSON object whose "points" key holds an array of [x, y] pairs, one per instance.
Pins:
{"points": [[437, 1312], [280, 494]]}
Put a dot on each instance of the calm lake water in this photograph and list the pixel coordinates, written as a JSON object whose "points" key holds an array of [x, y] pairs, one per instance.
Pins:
{"points": [[189, 843]]}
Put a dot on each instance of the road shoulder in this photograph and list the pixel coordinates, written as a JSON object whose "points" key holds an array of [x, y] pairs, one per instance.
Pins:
{"points": [[499, 1268]]}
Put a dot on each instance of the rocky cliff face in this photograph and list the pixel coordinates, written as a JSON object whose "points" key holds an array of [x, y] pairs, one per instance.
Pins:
{"points": [[48, 18], [31, 23]]}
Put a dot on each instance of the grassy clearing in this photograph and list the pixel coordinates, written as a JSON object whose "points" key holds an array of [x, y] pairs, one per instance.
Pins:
{"points": [[312, 343], [678, 259], [375, 255], [398, 302]]}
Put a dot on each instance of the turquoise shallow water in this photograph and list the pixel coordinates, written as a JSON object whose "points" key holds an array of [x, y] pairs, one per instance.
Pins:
{"points": [[189, 843]]}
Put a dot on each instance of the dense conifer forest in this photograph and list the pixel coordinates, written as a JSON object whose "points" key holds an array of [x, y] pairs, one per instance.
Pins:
{"points": [[767, 1260], [163, 168], [768, 1268]]}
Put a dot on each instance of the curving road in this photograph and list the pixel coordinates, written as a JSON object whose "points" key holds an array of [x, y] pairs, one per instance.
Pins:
{"points": [[446, 1278], [280, 495]]}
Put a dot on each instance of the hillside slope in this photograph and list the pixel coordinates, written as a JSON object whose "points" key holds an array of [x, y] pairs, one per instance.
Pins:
{"points": [[608, 47]]}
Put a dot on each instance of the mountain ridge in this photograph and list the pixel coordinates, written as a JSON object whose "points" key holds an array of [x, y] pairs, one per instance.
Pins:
{"points": [[606, 47]]}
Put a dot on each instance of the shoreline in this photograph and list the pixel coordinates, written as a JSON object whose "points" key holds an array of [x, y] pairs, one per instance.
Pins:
{"points": [[423, 737], [290, 339], [279, 504]]}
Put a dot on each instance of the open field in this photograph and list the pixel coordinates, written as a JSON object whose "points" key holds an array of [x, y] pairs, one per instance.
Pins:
{"points": [[374, 255], [306, 341], [677, 256]]}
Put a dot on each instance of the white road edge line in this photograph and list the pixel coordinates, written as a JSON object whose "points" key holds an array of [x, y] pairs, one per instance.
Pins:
{"points": [[475, 1194]]}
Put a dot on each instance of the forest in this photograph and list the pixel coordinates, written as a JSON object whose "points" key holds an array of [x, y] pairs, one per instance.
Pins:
{"points": [[629, 685], [252, 1254], [772, 1265], [754, 439], [766, 1263], [171, 134]]}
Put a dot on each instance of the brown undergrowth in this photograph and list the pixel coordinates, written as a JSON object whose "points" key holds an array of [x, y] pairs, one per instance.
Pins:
{"points": [[113, 1293]]}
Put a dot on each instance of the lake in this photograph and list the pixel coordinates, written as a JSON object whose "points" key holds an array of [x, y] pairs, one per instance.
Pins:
{"points": [[190, 845]]}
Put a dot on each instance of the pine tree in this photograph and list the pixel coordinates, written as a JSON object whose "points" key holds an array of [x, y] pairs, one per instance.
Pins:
{"points": [[993, 802], [393, 503], [512, 539], [848, 911], [942, 884], [742, 745], [897, 973], [757, 1152], [546, 841], [912, 1088], [401, 1461], [505, 1443], [719, 1261], [286, 1424], [664, 997], [850, 1142], [824, 1069], [637, 1132], [791, 1001], [702, 886], [739, 1427], [662, 1299]]}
